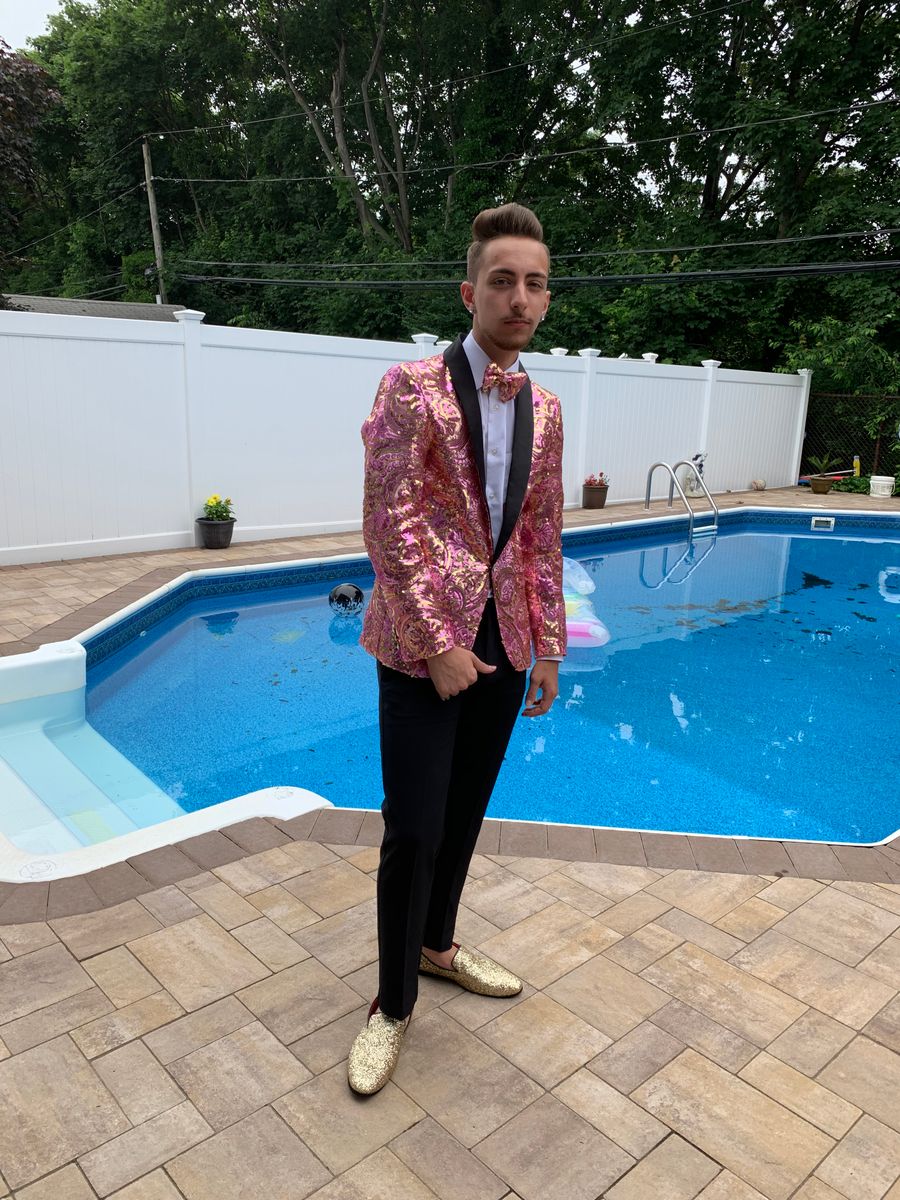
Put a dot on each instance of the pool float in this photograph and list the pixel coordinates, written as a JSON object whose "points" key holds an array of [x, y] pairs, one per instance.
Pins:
{"points": [[583, 627]]}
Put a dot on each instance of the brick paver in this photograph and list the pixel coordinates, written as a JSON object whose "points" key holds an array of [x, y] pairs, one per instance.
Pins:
{"points": [[684, 1034]]}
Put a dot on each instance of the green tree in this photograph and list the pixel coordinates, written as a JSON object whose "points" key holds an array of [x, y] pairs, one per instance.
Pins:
{"points": [[25, 97], [352, 132]]}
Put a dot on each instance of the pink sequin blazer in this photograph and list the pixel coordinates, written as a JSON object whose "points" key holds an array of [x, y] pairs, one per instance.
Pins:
{"points": [[427, 528]]}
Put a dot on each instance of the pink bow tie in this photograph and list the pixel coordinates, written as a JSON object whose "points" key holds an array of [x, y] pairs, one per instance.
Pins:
{"points": [[509, 382]]}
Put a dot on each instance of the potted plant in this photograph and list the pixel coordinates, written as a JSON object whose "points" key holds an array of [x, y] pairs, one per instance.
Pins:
{"points": [[821, 482], [594, 490], [217, 523]]}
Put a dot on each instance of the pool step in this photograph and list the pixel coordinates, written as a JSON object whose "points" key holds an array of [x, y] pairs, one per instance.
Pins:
{"points": [[66, 792], [62, 785], [26, 820], [127, 794]]}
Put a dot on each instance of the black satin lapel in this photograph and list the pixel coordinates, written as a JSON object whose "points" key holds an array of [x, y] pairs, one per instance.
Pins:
{"points": [[520, 467], [467, 394]]}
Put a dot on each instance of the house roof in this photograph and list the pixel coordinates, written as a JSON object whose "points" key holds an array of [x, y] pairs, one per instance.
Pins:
{"points": [[94, 308]]}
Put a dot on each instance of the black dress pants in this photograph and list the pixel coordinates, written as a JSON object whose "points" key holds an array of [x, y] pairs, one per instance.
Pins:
{"points": [[439, 762]]}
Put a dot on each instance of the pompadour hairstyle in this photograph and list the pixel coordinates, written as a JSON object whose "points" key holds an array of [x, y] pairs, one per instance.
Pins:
{"points": [[509, 220]]}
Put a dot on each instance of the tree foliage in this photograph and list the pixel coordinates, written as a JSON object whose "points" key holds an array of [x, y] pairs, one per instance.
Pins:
{"points": [[25, 95], [394, 123]]}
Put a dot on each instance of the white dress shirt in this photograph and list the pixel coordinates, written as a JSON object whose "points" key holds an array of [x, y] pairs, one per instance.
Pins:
{"points": [[497, 425], [498, 422]]}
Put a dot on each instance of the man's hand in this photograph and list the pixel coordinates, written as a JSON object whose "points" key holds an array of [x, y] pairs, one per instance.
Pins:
{"points": [[544, 679], [455, 670]]}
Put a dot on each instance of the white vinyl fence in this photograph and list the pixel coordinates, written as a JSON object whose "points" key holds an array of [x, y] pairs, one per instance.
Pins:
{"points": [[113, 432]]}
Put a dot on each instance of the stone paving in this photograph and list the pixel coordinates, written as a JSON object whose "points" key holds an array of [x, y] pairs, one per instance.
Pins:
{"points": [[681, 1034], [701, 1018]]}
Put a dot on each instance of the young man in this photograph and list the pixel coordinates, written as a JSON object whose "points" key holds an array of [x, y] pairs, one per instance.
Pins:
{"points": [[462, 519]]}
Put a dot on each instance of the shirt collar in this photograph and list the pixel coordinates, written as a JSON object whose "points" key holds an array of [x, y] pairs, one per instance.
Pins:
{"points": [[478, 360]]}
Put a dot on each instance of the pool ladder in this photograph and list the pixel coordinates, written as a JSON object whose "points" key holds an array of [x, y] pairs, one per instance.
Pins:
{"points": [[705, 531], [674, 483]]}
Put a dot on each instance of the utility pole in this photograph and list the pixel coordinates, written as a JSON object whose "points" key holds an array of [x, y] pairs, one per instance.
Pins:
{"points": [[154, 222]]}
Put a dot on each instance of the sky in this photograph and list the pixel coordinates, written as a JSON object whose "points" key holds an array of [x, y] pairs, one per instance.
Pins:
{"points": [[22, 19]]}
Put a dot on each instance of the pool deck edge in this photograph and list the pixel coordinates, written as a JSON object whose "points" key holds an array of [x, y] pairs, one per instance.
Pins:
{"points": [[23, 903]]}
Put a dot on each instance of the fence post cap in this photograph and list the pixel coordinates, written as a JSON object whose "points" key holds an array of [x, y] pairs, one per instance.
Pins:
{"points": [[589, 352], [650, 357], [710, 363], [559, 351], [189, 314], [425, 339]]}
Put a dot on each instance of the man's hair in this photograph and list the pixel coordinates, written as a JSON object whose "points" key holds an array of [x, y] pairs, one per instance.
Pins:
{"points": [[509, 220]]}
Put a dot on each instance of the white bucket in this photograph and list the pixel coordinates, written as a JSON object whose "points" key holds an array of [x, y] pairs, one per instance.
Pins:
{"points": [[881, 485]]}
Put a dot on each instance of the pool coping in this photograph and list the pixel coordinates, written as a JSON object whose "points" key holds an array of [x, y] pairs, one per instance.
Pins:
{"points": [[107, 887], [157, 867]]}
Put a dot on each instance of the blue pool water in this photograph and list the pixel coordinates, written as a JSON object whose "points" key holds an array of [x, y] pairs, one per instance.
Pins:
{"points": [[754, 693]]}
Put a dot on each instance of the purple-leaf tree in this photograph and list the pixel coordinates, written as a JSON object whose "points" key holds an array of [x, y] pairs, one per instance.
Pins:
{"points": [[26, 93]]}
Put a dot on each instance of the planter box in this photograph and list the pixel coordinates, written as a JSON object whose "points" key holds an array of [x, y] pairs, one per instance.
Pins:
{"points": [[593, 496]]}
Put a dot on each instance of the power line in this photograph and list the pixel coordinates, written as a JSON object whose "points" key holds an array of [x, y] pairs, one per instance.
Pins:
{"points": [[77, 221], [526, 159], [458, 262], [80, 283], [469, 166], [796, 269], [294, 115], [120, 287], [115, 153]]}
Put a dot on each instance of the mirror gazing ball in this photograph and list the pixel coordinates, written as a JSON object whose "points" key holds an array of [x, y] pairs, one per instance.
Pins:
{"points": [[346, 599]]}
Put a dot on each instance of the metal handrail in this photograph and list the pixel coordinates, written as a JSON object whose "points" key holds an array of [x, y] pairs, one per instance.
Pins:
{"points": [[706, 492], [673, 483]]}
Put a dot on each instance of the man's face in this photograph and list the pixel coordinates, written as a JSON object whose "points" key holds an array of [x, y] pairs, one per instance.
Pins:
{"points": [[509, 296]]}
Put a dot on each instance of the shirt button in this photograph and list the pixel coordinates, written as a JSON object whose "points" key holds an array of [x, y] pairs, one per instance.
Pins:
{"points": [[494, 453]]}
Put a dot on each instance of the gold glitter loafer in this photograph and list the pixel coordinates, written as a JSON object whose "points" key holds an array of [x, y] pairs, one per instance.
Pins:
{"points": [[475, 972], [374, 1054]]}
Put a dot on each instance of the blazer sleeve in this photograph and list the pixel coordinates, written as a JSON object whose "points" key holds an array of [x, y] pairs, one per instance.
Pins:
{"points": [[397, 435], [542, 510]]}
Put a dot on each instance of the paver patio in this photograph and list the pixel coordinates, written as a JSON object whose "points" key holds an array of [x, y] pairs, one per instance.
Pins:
{"points": [[681, 1034], [701, 1017]]}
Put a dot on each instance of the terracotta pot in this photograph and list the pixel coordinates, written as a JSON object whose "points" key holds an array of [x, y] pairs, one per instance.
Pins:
{"points": [[593, 495], [215, 535]]}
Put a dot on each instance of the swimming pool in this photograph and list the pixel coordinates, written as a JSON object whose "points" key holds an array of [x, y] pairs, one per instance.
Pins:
{"points": [[754, 693], [749, 688]]}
